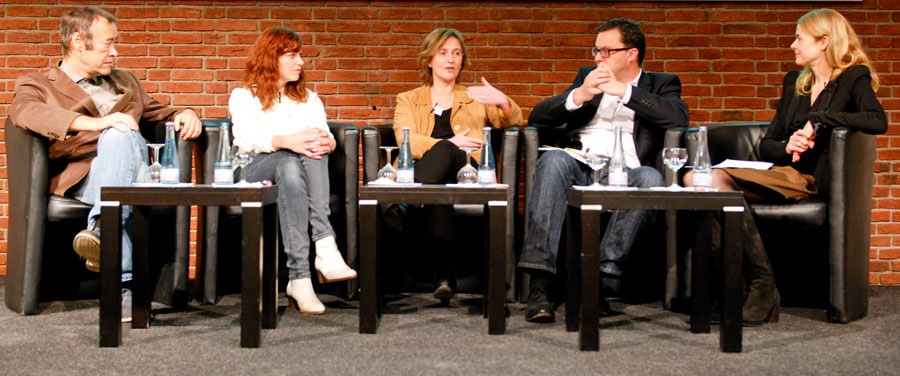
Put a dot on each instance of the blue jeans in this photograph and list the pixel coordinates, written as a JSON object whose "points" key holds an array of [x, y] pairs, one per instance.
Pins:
{"points": [[302, 202], [556, 171], [121, 160]]}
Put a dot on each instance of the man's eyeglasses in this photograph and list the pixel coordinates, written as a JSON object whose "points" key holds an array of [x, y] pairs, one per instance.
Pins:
{"points": [[605, 52]]}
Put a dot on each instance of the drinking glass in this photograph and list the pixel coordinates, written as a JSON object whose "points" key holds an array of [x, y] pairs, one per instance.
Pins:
{"points": [[596, 162], [155, 167], [467, 174], [388, 171], [674, 159], [242, 158]]}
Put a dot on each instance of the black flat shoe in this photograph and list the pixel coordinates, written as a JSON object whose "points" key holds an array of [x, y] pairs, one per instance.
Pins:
{"points": [[539, 309], [541, 313]]}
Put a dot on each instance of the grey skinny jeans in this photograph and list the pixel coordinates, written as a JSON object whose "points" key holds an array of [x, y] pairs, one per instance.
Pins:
{"points": [[303, 193]]}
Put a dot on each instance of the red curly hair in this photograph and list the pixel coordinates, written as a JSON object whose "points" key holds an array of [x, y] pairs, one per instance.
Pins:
{"points": [[261, 71]]}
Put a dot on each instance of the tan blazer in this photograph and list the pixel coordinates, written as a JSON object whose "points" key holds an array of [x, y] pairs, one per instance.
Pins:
{"points": [[47, 103], [414, 110]]}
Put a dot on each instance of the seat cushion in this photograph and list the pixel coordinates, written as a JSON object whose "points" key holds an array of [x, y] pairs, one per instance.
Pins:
{"points": [[807, 213], [61, 208]]}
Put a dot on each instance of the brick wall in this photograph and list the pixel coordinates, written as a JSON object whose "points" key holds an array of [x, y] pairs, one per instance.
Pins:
{"points": [[731, 57]]}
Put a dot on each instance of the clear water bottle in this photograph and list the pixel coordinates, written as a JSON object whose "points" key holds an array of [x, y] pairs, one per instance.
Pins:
{"points": [[487, 169], [618, 171], [223, 170], [702, 163], [405, 165], [169, 174]]}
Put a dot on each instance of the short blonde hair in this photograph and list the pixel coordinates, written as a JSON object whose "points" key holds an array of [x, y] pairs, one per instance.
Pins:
{"points": [[844, 47], [430, 47]]}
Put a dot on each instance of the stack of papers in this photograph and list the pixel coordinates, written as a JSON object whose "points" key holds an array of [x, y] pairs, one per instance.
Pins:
{"points": [[734, 163]]}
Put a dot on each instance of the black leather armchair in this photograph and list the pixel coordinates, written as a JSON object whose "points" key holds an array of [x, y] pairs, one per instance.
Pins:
{"points": [[41, 265], [819, 248], [220, 252], [505, 144]]}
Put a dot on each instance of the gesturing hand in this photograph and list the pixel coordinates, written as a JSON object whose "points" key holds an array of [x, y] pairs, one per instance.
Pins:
{"points": [[489, 95]]}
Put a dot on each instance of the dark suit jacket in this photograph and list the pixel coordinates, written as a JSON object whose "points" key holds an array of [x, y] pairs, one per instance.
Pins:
{"points": [[848, 101], [656, 102], [48, 102]]}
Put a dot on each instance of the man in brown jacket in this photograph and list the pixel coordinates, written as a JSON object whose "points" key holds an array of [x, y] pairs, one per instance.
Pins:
{"points": [[91, 112]]}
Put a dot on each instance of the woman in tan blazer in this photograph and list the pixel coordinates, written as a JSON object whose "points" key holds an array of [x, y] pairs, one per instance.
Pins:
{"points": [[445, 117]]}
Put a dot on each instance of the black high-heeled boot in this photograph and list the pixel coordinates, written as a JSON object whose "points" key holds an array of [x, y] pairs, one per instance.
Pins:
{"points": [[762, 302]]}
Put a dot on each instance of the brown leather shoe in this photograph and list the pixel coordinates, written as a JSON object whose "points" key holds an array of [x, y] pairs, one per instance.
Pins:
{"points": [[87, 245]]}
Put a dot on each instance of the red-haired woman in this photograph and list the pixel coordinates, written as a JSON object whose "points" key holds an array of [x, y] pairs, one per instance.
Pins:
{"points": [[283, 122]]}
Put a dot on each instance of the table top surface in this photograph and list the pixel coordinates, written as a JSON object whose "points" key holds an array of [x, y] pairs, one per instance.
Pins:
{"points": [[659, 199], [189, 194], [434, 193]]}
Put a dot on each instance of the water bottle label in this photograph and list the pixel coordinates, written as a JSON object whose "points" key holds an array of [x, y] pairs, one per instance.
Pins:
{"points": [[406, 176], [487, 177], [618, 178], [168, 175], [702, 179], [223, 176]]}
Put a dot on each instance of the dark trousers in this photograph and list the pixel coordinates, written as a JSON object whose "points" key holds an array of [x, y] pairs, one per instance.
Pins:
{"points": [[439, 166]]}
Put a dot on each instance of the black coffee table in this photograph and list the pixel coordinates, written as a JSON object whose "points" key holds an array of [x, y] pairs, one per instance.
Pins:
{"points": [[584, 223], [494, 198], [259, 277]]}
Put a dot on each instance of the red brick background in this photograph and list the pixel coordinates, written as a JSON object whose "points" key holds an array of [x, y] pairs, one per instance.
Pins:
{"points": [[731, 57]]}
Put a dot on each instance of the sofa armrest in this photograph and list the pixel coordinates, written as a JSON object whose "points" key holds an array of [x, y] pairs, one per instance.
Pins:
{"points": [[28, 169], [852, 159], [375, 136], [509, 157], [344, 169]]}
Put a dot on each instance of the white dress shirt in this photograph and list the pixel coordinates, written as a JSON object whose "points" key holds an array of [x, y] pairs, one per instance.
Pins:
{"points": [[599, 133]]}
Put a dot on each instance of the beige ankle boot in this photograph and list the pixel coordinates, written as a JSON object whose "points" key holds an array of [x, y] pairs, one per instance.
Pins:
{"points": [[330, 264], [301, 297]]}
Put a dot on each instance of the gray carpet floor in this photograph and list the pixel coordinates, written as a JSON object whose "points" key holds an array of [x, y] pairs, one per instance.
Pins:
{"points": [[418, 337]]}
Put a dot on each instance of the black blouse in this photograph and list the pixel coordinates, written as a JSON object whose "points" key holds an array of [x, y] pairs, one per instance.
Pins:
{"points": [[848, 101], [442, 129]]}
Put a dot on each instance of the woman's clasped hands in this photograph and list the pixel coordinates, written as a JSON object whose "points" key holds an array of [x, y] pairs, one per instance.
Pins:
{"points": [[801, 141], [311, 142]]}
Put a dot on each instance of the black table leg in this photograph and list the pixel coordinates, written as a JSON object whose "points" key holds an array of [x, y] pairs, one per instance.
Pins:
{"points": [[573, 267], [110, 274], [368, 247], [731, 335], [269, 267], [701, 269], [140, 268], [496, 296], [251, 276], [589, 334]]}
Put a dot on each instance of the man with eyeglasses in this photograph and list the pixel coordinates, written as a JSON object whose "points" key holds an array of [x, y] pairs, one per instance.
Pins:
{"points": [[613, 91]]}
